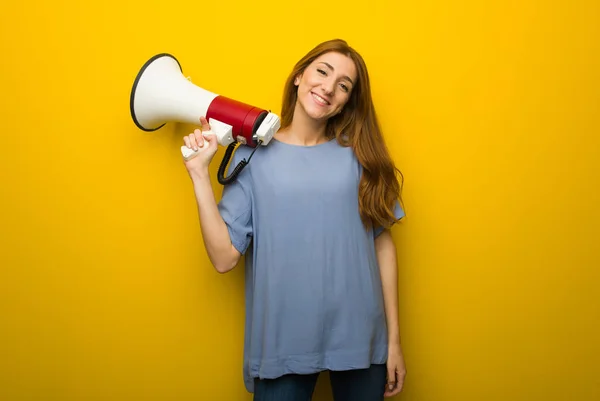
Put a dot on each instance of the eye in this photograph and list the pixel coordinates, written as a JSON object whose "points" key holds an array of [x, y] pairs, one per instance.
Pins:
{"points": [[321, 71], [344, 87]]}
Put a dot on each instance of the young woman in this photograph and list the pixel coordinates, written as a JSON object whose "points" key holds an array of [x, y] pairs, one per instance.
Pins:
{"points": [[311, 212]]}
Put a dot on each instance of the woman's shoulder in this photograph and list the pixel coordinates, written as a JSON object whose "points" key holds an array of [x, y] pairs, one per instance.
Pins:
{"points": [[278, 157]]}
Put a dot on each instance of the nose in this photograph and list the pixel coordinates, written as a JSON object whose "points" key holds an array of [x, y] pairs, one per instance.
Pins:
{"points": [[328, 86]]}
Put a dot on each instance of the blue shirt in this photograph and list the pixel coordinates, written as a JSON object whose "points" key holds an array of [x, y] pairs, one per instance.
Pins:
{"points": [[314, 299]]}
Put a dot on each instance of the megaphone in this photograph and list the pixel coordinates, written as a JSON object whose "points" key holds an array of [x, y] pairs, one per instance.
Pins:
{"points": [[162, 94]]}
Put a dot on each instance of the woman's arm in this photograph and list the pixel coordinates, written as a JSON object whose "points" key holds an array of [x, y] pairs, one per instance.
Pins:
{"points": [[386, 257], [221, 252], [217, 241]]}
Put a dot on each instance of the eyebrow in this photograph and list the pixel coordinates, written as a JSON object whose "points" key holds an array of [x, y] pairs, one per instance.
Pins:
{"points": [[333, 69]]}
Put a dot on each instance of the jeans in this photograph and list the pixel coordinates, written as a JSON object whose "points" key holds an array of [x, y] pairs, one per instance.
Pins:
{"points": [[351, 385]]}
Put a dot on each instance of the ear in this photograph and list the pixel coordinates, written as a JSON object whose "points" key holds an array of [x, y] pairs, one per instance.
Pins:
{"points": [[297, 80]]}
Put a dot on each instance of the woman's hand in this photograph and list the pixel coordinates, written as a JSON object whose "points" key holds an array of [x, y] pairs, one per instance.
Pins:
{"points": [[396, 371], [204, 142]]}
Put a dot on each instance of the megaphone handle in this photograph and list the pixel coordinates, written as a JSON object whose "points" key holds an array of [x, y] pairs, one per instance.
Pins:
{"points": [[188, 154]]}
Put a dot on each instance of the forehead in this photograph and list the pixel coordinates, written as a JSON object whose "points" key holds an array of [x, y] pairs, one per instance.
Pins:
{"points": [[341, 64]]}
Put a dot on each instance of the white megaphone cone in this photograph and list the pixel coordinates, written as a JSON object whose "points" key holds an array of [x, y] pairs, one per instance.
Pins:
{"points": [[162, 94]]}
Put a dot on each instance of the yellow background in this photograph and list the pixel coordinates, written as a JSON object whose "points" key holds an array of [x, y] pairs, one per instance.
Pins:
{"points": [[490, 109]]}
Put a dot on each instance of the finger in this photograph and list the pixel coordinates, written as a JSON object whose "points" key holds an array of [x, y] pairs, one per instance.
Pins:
{"points": [[204, 123], [186, 140], [209, 135], [397, 389], [210, 138], [391, 381], [193, 143], [391, 393], [199, 137]]}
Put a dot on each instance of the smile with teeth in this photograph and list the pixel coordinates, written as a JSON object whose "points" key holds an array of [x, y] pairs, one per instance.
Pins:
{"points": [[319, 99]]}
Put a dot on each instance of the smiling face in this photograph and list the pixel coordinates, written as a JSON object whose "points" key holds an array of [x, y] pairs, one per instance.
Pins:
{"points": [[325, 85]]}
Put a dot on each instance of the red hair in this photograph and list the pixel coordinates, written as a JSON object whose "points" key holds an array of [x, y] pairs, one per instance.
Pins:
{"points": [[356, 126]]}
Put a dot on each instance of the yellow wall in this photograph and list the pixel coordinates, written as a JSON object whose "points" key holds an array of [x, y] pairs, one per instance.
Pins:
{"points": [[491, 110]]}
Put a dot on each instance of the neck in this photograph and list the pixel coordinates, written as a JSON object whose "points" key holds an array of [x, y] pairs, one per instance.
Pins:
{"points": [[305, 131]]}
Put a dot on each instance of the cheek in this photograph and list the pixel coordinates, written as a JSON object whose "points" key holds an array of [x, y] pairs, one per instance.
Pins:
{"points": [[342, 99], [305, 85], [311, 81]]}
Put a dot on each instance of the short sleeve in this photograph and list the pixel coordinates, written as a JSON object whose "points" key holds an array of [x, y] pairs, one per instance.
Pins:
{"points": [[398, 213], [235, 205]]}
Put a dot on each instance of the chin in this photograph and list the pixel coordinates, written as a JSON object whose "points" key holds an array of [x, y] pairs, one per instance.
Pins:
{"points": [[319, 116]]}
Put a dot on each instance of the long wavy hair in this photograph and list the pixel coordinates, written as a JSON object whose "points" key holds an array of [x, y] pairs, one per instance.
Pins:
{"points": [[356, 126]]}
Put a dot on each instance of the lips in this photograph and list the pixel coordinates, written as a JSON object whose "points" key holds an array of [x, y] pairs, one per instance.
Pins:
{"points": [[320, 100]]}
